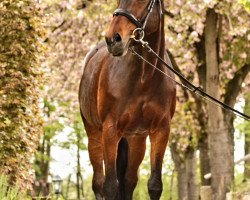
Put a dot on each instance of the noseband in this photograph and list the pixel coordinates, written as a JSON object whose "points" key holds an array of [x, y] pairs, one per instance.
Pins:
{"points": [[133, 19]]}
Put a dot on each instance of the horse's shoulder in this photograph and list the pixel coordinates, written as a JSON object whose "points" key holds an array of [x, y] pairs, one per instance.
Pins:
{"points": [[92, 52]]}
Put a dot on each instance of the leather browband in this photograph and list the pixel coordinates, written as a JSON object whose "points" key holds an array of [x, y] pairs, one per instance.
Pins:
{"points": [[129, 15]]}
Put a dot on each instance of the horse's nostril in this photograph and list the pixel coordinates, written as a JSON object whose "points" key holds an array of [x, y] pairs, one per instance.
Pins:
{"points": [[111, 41], [108, 41], [117, 37]]}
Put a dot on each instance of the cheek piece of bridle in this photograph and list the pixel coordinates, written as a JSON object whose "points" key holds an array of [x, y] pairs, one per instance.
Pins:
{"points": [[140, 25], [187, 85]]}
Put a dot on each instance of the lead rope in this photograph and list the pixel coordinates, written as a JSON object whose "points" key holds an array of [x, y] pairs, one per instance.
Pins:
{"points": [[197, 90]]}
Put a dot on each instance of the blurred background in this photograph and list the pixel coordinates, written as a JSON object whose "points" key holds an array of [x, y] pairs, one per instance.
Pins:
{"points": [[43, 145]]}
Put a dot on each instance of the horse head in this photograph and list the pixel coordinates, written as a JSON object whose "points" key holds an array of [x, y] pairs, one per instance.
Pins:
{"points": [[131, 14]]}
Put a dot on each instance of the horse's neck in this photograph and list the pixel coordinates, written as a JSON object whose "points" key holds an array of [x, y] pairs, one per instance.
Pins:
{"points": [[157, 43]]}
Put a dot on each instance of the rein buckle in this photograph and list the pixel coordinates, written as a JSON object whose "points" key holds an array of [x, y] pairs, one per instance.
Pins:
{"points": [[139, 37]]}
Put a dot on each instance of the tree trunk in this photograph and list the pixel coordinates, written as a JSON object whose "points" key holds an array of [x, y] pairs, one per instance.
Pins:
{"points": [[201, 112], [79, 179], [186, 174], [172, 184], [206, 193], [205, 167], [191, 167], [181, 174], [78, 173], [182, 182], [247, 163], [21, 76], [247, 140], [67, 187], [221, 157], [42, 185]]}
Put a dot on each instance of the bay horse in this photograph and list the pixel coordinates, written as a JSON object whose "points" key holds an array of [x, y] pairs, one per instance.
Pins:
{"points": [[123, 100]]}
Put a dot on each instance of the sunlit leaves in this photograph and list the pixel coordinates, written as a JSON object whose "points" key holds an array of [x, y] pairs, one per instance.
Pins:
{"points": [[185, 128], [73, 26], [20, 79], [186, 29], [76, 135], [246, 3]]}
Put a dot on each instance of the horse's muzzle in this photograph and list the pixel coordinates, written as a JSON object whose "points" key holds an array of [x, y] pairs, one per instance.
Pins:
{"points": [[115, 45]]}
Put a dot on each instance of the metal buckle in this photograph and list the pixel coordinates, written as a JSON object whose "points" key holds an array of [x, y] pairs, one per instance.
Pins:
{"points": [[141, 34], [140, 38]]}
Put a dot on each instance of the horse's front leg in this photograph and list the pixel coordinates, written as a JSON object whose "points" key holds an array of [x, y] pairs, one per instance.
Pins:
{"points": [[137, 147], [110, 146], [95, 149], [159, 141]]}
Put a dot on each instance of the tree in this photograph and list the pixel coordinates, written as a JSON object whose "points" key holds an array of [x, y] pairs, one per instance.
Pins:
{"points": [[222, 44], [247, 139], [21, 33], [73, 27], [43, 154], [76, 139], [221, 148], [183, 144]]}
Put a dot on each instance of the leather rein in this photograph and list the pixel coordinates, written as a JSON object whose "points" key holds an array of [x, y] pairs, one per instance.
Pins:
{"points": [[188, 85]]}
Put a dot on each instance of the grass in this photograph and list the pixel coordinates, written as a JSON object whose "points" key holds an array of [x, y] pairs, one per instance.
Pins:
{"points": [[10, 192]]}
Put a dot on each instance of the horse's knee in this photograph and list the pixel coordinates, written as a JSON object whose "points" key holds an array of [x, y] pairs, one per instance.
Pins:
{"points": [[155, 188], [110, 188]]}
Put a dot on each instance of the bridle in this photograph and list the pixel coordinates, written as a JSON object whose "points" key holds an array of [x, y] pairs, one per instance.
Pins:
{"points": [[140, 23], [186, 84]]}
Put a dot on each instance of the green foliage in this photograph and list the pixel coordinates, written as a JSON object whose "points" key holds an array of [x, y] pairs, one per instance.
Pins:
{"points": [[72, 31], [77, 135], [185, 34], [246, 3], [141, 191], [69, 189], [21, 31], [185, 128], [243, 187], [10, 192], [50, 129], [243, 125]]}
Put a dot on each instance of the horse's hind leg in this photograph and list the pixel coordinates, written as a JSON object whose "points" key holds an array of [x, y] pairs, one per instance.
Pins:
{"points": [[95, 149], [158, 146], [137, 146]]}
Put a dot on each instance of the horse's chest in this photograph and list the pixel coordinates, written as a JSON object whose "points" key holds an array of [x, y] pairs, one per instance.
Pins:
{"points": [[134, 107], [140, 118]]}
